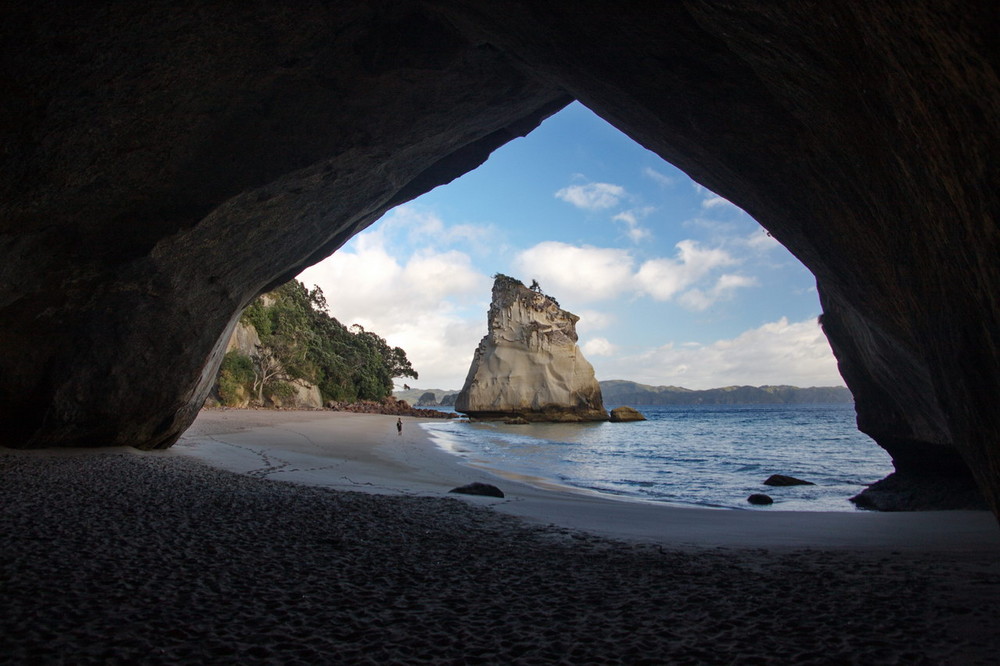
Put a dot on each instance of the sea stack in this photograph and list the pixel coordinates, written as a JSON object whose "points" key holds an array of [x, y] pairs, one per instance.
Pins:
{"points": [[529, 364]]}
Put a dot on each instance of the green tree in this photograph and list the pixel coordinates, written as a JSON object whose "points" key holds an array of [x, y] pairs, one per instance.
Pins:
{"points": [[235, 374], [299, 339]]}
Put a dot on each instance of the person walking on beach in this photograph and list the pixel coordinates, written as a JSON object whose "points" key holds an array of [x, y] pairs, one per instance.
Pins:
{"points": [[399, 426]]}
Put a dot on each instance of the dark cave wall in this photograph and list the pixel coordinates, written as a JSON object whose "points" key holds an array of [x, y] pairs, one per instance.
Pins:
{"points": [[163, 164]]}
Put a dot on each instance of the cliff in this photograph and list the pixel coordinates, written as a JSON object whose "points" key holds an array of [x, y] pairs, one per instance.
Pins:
{"points": [[529, 364], [302, 394]]}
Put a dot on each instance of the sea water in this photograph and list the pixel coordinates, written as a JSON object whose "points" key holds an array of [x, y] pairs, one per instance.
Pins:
{"points": [[702, 455]]}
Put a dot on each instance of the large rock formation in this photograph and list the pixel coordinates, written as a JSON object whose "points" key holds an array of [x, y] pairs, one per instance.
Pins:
{"points": [[160, 167], [528, 364]]}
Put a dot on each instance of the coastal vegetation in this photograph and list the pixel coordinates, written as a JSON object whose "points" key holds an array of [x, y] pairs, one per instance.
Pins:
{"points": [[299, 340]]}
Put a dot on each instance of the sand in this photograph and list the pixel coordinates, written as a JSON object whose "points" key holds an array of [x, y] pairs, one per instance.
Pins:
{"points": [[250, 542]]}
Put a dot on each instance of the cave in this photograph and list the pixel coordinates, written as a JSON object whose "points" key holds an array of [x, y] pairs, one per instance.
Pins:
{"points": [[164, 165]]}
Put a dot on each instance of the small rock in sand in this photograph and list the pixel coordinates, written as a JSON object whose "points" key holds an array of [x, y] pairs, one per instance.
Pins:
{"points": [[478, 489]]}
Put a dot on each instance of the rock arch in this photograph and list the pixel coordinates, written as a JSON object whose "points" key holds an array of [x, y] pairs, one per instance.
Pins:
{"points": [[163, 166]]}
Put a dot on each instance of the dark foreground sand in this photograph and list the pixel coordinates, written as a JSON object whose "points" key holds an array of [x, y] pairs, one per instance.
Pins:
{"points": [[122, 557]]}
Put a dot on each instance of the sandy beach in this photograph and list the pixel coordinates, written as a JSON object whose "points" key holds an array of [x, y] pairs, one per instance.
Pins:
{"points": [[321, 537]]}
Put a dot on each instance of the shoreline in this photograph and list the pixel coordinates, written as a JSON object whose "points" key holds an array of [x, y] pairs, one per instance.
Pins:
{"points": [[348, 451], [687, 456], [226, 549]]}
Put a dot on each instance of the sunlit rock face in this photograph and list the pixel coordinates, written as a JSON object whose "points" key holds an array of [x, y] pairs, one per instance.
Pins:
{"points": [[529, 364], [160, 167]]}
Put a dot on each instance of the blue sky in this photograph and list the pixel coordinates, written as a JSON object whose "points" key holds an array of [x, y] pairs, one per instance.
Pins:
{"points": [[674, 285]]}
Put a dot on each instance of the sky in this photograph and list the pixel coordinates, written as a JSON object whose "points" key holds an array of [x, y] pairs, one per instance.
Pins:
{"points": [[674, 285]]}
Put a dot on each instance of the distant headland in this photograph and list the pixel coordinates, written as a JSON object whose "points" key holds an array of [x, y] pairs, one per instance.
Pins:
{"points": [[620, 391]]}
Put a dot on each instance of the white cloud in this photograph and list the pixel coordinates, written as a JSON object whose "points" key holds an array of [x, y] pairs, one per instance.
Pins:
{"points": [[441, 361], [761, 241], [439, 275], [715, 202], [592, 196], [583, 274], [630, 218], [710, 200], [420, 227], [775, 353], [576, 274], [593, 320], [724, 288], [657, 177], [664, 278], [410, 220], [598, 347]]}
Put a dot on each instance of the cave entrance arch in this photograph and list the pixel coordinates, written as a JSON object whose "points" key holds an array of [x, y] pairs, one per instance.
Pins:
{"points": [[586, 210], [160, 171]]}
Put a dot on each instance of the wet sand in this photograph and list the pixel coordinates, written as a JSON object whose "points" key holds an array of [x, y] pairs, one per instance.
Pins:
{"points": [[118, 556]]}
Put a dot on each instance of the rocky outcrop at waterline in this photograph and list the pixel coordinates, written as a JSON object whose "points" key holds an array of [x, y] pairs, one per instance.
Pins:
{"points": [[911, 492], [625, 414], [528, 365]]}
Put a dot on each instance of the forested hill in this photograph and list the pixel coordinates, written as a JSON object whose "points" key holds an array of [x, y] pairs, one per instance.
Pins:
{"points": [[298, 342], [621, 392]]}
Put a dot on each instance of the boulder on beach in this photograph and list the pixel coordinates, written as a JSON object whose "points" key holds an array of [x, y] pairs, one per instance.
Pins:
{"points": [[477, 488], [625, 415], [911, 492], [528, 365], [782, 480], [759, 499]]}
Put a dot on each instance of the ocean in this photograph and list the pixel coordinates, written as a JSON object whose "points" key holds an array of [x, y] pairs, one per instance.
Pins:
{"points": [[711, 456]]}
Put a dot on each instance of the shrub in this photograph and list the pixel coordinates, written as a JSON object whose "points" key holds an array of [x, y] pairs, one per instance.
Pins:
{"points": [[279, 392], [235, 379]]}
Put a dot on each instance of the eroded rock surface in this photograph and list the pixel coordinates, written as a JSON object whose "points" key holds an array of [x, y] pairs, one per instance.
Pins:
{"points": [[625, 414], [160, 167], [528, 365]]}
